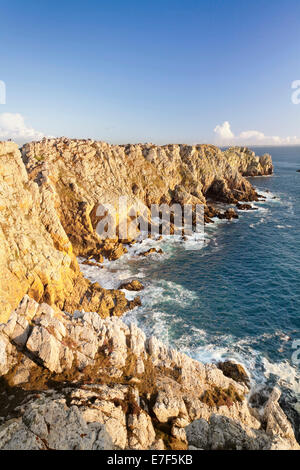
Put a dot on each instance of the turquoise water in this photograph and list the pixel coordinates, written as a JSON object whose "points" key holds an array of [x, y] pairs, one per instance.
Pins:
{"points": [[239, 296]]}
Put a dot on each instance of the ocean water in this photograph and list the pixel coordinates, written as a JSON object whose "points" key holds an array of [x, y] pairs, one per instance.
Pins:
{"points": [[239, 296]]}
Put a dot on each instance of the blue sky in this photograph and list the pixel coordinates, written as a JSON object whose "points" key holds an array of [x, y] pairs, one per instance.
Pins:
{"points": [[155, 71]]}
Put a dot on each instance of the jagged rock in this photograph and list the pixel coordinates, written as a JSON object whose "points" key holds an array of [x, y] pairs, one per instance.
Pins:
{"points": [[245, 207], [223, 433], [46, 347], [275, 419], [179, 433], [134, 285], [36, 255], [168, 406], [228, 214], [49, 200], [197, 434], [110, 414], [141, 431], [8, 354], [248, 163], [234, 371], [120, 379], [50, 424], [151, 251]]}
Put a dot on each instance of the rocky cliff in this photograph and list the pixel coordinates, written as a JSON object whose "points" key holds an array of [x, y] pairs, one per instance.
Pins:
{"points": [[88, 380], [84, 173], [36, 255], [49, 193], [82, 382]]}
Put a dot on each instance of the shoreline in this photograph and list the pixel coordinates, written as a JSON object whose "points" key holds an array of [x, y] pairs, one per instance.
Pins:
{"points": [[128, 268], [261, 381], [105, 371]]}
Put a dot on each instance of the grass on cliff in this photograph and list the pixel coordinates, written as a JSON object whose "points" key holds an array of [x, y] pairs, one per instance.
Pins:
{"points": [[218, 396], [41, 380]]}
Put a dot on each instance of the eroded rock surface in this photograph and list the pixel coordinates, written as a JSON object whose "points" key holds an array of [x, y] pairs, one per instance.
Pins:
{"points": [[50, 192], [112, 387], [73, 379], [36, 255]]}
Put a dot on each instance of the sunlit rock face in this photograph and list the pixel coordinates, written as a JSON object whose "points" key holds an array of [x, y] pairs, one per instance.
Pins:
{"points": [[49, 196]]}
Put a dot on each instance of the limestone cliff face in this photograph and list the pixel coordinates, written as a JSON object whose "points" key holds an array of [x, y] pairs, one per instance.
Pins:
{"points": [[36, 256], [31, 256], [48, 198], [102, 384]]}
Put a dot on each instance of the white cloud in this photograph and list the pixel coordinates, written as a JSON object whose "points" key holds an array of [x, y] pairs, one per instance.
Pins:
{"points": [[12, 126], [225, 136], [255, 135], [224, 131]]}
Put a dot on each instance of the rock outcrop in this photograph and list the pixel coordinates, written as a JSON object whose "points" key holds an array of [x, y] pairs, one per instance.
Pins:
{"points": [[134, 285], [247, 163], [72, 374], [36, 255], [85, 173], [49, 194], [83, 382]]}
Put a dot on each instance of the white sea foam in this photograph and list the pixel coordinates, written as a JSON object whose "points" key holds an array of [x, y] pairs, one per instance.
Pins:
{"points": [[269, 196]]}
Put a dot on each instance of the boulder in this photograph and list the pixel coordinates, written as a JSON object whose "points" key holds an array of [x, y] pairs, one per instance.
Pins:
{"points": [[134, 285], [151, 251], [228, 214], [245, 207], [234, 371]]}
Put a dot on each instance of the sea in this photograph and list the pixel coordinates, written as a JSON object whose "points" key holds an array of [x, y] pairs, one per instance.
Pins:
{"points": [[237, 297]]}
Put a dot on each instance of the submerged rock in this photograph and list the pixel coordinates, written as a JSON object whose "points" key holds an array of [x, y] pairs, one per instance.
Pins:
{"points": [[245, 207]]}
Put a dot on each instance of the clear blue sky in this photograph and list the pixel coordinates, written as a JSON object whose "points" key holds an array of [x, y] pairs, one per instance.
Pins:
{"points": [[156, 71]]}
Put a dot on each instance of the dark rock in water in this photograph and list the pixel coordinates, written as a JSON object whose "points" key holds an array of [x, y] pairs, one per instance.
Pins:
{"points": [[298, 171], [228, 214], [208, 220], [245, 207], [211, 211], [92, 263], [136, 302], [151, 251], [134, 285], [234, 371]]}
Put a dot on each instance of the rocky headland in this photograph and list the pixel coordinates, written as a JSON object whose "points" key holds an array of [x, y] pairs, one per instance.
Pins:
{"points": [[76, 380]]}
